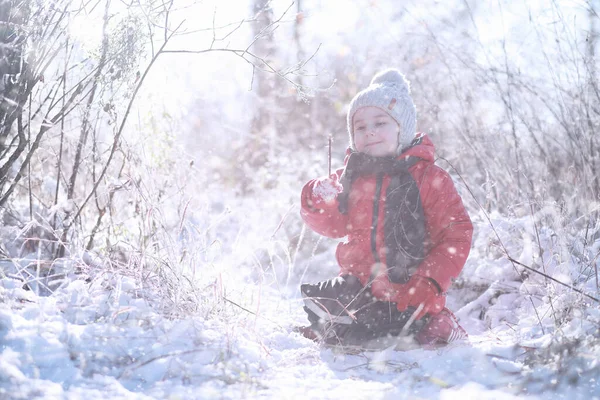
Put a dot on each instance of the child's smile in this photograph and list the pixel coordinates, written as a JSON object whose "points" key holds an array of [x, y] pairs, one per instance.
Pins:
{"points": [[375, 132]]}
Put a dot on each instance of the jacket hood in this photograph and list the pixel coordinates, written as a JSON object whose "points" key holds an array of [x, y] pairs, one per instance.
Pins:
{"points": [[421, 147]]}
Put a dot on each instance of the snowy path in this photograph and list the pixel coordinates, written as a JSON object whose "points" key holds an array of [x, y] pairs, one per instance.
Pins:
{"points": [[88, 341]]}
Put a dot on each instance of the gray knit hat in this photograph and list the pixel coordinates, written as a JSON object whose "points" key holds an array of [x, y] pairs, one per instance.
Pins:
{"points": [[390, 91]]}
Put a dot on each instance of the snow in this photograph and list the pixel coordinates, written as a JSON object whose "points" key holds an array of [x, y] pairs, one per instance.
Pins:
{"points": [[104, 335], [326, 189], [218, 323]]}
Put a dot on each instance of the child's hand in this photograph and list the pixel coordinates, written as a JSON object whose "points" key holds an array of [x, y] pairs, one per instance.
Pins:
{"points": [[420, 290], [325, 190]]}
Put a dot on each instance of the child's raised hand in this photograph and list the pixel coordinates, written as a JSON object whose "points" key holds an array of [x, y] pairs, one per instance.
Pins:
{"points": [[325, 190], [420, 290]]}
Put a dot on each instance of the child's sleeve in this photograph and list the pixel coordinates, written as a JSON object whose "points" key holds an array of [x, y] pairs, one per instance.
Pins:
{"points": [[449, 226], [322, 217]]}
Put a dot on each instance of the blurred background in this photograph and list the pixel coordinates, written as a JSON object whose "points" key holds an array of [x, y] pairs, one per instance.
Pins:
{"points": [[174, 137]]}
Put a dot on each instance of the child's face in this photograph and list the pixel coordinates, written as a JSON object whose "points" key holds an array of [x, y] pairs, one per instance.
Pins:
{"points": [[375, 132]]}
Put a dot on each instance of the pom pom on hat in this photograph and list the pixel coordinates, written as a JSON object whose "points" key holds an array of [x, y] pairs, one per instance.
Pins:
{"points": [[390, 91], [391, 77]]}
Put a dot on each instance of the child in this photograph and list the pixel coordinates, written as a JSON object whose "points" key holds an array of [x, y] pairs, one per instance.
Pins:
{"points": [[408, 233]]}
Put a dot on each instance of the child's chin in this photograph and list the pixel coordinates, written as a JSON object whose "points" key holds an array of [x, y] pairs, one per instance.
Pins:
{"points": [[379, 153]]}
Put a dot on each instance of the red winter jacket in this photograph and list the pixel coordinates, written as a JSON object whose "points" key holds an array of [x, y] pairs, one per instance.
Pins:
{"points": [[433, 207]]}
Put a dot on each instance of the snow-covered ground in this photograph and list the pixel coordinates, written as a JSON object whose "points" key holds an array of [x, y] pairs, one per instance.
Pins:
{"points": [[105, 335]]}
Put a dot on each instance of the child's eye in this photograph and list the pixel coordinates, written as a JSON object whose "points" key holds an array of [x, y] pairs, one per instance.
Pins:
{"points": [[380, 123], [359, 128]]}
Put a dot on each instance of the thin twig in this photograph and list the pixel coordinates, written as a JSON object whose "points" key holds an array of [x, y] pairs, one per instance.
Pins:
{"points": [[281, 222], [20, 126], [250, 312], [45, 126], [541, 253], [552, 279], [62, 134], [329, 157]]}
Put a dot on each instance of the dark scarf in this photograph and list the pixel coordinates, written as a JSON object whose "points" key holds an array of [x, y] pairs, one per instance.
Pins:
{"points": [[404, 222], [361, 164]]}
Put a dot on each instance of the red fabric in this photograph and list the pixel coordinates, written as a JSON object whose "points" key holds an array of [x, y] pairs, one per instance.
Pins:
{"points": [[448, 225], [441, 329], [323, 217], [325, 191], [420, 291]]}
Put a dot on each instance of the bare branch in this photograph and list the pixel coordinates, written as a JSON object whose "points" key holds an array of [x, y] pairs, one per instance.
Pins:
{"points": [[90, 100], [117, 137]]}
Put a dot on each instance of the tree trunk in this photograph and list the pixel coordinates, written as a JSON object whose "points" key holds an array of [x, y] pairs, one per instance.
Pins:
{"points": [[262, 123], [13, 15], [593, 117]]}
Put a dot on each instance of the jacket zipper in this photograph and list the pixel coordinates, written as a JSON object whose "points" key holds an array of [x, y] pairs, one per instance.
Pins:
{"points": [[378, 186]]}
